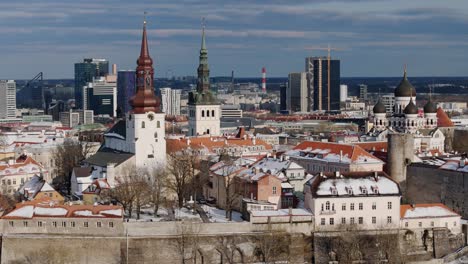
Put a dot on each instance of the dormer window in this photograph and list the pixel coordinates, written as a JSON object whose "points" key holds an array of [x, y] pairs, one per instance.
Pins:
{"points": [[349, 190], [375, 189], [363, 189], [333, 190]]}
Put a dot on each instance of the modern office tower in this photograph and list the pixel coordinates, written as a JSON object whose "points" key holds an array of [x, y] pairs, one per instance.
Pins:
{"points": [[363, 92], [85, 72], [126, 87], [231, 111], [297, 95], [283, 97], [389, 101], [325, 96], [309, 69], [170, 100], [343, 93], [7, 99], [55, 108], [74, 118], [101, 97]]}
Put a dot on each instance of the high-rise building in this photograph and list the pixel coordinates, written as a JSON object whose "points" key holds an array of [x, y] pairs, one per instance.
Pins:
{"points": [[326, 96], [7, 99], [363, 92], [85, 72], [297, 92], [283, 97], [74, 118], [389, 102], [203, 106], [170, 101], [101, 97], [125, 90], [343, 93]]}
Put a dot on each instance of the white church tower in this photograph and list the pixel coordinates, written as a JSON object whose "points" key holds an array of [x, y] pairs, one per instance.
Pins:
{"points": [[204, 109], [145, 126]]}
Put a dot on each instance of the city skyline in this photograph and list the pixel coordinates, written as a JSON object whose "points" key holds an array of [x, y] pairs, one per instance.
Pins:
{"points": [[376, 37]]}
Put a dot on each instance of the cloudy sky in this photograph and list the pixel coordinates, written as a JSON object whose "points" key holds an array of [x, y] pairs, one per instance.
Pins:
{"points": [[375, 37]]}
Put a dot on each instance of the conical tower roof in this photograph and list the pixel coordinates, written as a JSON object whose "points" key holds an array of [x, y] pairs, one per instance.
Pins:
{"points": [[411, 108], [379, 108], [405, 88]]}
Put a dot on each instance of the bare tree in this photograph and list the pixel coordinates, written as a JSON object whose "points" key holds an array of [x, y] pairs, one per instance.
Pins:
{"points": [[227, 246], [271, 246], [156, 184], [67, 156], [187, 240], [181, 169]]}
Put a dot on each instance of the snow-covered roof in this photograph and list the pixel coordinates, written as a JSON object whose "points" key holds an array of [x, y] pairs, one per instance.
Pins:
{"points": [[280, 212], [47, 208], [456, 165], [286, 185], [354, 184], [426, 211]]}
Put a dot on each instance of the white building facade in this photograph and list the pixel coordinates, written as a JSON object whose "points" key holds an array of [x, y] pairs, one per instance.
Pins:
{"points": [[170, 101]]}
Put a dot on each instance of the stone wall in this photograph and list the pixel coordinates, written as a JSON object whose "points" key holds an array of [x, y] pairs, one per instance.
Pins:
{"points": [[428, 184]]}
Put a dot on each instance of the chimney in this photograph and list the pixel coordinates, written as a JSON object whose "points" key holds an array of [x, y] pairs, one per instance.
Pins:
{"points": [[376, 175], [337, 174], [11, 161], [188, 141], [321, 174], [290, 210], [254, 141], [114, 69], [341, 155], [462, 162]]}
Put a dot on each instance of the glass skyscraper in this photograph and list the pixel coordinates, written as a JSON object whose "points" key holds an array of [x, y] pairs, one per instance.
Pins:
{"points": [[317, 67], [125, 90], [85, 72]]}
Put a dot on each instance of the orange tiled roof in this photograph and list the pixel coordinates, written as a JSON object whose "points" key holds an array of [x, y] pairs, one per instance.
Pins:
{"points": [[373, 146], [17, 164], [442, 119], [352, 151], [405, 207]]}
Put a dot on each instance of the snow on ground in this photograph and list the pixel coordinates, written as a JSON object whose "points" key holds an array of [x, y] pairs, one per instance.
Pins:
{"points": [[217, 215], [146, 215]]}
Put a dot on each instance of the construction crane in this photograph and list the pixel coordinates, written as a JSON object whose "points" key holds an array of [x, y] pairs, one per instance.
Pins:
{"points": [[34, 93], [329, 49]]}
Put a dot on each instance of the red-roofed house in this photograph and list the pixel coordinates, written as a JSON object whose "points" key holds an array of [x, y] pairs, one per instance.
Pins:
{"points": [[14, 173], [424, 216], [317, 157]]}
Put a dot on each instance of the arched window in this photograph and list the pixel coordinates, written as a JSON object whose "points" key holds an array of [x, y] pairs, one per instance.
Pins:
{"points": [[207, 113], [212, 113], [432, 121], [380, 121], [158, 124], [202, 113], [143, 124], [156, 136], [208, 131], [412, 123], [327, 206]]}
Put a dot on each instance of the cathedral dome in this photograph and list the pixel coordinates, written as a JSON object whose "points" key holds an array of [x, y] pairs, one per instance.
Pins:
{"points": [[379, 108], [411, 109], [405, 88], [430, 107]]}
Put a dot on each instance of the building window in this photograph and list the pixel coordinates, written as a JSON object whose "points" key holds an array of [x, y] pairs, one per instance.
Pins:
{"points": [[374, 206], [343, 220], [389, 205], [343, 207], [98, 224], [72, 224], [327, 206], [111, 224], [39, 224], [406, 224], [64, 224], [54, 224], [374, 220], [332, 221], [352, 207], [389, 219], [212, 113], [85, 224], [202, 113], [11, 223], [360, 220], [143, 124], [420, 224], [361, 206], [322, 207], [432, 223], [322, 221], [274, 189], [25, 223], [158, 124], [454, 223], [351, 220], [446, 224]]}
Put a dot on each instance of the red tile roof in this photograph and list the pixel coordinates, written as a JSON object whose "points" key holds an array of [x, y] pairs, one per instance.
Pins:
{"points": [[442, 119], [174, 145], [373, 146], [352, 151], [405, 207], [20, 163]]}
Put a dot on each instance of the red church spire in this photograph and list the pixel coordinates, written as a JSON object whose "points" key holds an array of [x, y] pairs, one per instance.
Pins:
{"points": [[144, 99]]}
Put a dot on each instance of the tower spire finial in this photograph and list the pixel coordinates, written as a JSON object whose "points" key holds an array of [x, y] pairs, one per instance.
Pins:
{"points": [[404, 69], [203, 45], [144, 17]]}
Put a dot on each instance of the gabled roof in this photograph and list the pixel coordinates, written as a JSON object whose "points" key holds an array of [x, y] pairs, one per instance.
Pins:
{"points": [[119, 129], [434, 210], [105, 156], [82, 171], [333, 152], [373, 145]]}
